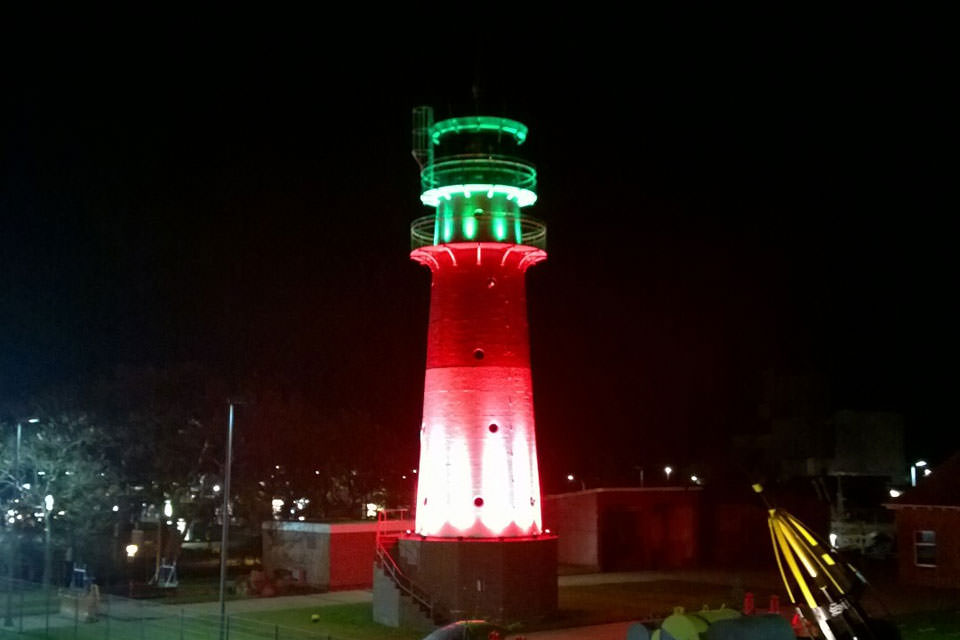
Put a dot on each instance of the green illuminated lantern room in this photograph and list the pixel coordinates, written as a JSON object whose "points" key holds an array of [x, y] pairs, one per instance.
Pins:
{"points": [[472, 174]]}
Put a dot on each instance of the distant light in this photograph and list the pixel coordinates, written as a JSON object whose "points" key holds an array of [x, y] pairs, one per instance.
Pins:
{"points": [[181, 525], [26, 485], [278, 466], [668, 470], [372, 509], [414, 471], [927, 472], [833, 540], [116, 508], [894, 493], [216, 488], [920, 463], [301, 518], [167, 508], [694, 479], [317, 472], [33, 420], [61, 513], [546, 530], [132, 550], [48, 502], [570, 477], [403, 477]]}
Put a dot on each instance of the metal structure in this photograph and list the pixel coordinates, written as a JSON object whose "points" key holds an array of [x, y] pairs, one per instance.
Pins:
{"points": [[478, 474], [478, 548]]}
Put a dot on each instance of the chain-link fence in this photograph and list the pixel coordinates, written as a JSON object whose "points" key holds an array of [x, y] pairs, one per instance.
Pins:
{"points": [[30, 610]]}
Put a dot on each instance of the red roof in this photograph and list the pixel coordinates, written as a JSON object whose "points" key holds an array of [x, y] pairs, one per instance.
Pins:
{"points": [[940, 489]]}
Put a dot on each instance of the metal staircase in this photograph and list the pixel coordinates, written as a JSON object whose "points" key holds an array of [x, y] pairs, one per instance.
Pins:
{"points": [[386, 549]]}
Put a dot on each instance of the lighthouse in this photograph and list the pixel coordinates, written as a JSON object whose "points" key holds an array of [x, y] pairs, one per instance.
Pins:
{"points": [[478, 548]]}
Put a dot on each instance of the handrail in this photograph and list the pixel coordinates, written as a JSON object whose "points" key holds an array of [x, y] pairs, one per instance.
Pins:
{"points": [[390, 566], [404, 583], [533, 232], [496, 168]]}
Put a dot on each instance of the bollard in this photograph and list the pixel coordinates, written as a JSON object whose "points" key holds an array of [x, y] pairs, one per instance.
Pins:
{"points": [[774, 604], [749, 608]]}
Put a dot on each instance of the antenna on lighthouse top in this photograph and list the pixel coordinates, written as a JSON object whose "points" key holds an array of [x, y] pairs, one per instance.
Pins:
{"points": [[422, 145]]}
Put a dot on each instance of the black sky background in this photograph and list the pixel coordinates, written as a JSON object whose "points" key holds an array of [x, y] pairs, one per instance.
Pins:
{"points": [[721, 203]]}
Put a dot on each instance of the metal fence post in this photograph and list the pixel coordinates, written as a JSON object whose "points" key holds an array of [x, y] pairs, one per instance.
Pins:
{"points": [[181, 624], [76, 614], [46, 611], [21, 609], [228, 628], [142, 623], [276, 632]]}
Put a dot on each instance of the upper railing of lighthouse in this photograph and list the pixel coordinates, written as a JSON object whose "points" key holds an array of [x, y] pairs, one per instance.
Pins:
{"points": [[473, 175]]}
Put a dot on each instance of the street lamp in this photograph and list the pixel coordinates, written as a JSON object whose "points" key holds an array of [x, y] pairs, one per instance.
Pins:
{"points": [[571, 478], [919, 464], [13, 542], [47, 555], [668, 470]]}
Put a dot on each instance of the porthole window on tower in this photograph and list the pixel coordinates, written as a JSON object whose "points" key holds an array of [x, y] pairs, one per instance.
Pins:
{"points": [[494, 427], [478, 501], [478, 354], [491, 283]]}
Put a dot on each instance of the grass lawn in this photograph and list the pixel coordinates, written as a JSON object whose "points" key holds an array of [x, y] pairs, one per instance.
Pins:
{"points": [[932, 625], [343, 622]]}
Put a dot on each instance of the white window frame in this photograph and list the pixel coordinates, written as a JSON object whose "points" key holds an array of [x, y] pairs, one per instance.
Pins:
{"points": [[917, 544]]}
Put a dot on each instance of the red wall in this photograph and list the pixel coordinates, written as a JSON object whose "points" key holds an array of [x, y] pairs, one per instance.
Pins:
{"points": [[946, 523], [351, 560], [626, 529]]}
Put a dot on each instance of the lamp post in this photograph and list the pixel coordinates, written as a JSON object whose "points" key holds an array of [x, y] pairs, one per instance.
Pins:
{"points": [[47, 555], [11, 521], [225, 514], [919, 464], [668, 470]]}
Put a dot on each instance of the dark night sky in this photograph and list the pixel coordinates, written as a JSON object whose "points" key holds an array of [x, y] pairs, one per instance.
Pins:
{"points": [[721, 203]]}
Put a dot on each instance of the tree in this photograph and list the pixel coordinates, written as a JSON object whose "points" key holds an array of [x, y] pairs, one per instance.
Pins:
{"points": [[58, 482]]}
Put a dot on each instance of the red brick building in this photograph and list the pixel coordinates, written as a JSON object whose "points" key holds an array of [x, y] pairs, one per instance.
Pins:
{"points": [[928, 528]]}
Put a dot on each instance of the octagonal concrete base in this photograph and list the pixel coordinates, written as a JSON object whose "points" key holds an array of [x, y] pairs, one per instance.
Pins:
{"points": [[499, 579]]}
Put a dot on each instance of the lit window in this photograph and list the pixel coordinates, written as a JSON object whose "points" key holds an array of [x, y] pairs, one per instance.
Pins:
{"points": [[925, 548]]}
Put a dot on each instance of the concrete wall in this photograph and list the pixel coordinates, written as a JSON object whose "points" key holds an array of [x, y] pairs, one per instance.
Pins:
{"points": [[331, 555], [946, 524], [508, 580], [622, 529]]}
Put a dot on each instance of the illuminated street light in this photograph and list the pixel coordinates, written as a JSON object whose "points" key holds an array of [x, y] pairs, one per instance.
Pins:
{"points": [[668, 470], [8, 618], [919, 464], [131, 550], [894, 493]]}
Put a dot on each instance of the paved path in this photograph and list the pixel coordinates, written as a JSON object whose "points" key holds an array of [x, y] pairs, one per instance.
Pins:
{"points": [[251, 605], [612, 631]]}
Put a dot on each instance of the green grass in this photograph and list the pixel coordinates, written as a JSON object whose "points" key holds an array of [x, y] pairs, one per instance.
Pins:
{"points": [[344, 622], [930, 625], [335, 622]]}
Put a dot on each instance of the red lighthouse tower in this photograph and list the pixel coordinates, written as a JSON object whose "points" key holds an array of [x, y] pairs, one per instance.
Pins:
{"points": [[478, 548]]}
